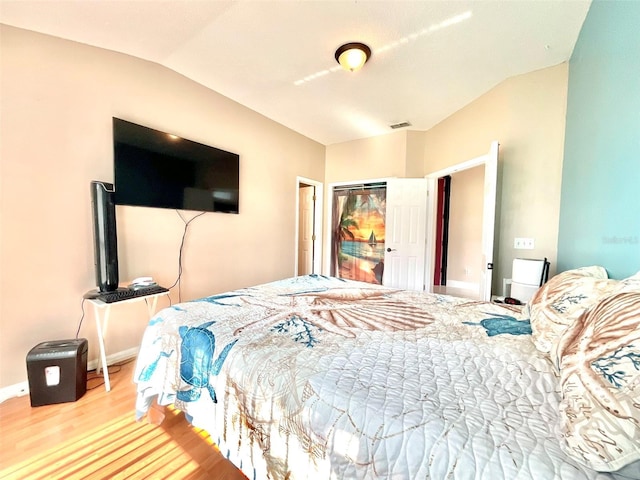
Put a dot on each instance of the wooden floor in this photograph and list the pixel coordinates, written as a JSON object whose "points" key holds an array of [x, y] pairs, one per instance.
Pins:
{"points": [[97, 437]]}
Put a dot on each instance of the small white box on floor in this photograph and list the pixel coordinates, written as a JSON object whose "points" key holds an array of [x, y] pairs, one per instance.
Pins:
{"points": [[527, 275], [523, 292]]}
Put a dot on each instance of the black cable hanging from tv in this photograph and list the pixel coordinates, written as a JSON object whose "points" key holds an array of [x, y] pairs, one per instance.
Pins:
{"points": [[184, 235]]}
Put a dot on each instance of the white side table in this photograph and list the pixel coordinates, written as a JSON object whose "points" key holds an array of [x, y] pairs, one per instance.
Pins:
{"points": [[101, 313]]}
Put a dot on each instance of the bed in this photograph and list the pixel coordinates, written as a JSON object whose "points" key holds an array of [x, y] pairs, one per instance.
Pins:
{"points": [[316, 377]]}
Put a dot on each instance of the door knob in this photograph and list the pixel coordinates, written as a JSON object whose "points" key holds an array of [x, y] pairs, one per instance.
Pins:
{"points": [[391, 249]]}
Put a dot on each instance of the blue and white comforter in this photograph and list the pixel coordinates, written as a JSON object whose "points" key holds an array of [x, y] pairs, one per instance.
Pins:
{"points": [[321, 378]]}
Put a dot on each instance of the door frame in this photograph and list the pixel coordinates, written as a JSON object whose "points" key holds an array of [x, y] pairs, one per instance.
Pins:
{"points": [[487, 223], [317, 224]]}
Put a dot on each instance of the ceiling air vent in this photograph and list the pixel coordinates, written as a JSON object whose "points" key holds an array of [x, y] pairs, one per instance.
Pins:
{"points": [[400, 125]]}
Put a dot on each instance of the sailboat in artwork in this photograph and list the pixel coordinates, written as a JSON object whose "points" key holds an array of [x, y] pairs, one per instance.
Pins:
{"points": [[372, 239]]}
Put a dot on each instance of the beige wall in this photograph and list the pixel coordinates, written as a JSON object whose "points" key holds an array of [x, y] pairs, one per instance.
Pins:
{"points": [[367, 158], [526, 114], [415, 154], [465, 226], [396, 154], [58, 98]]}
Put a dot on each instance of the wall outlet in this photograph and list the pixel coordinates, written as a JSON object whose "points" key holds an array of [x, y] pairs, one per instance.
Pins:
{"points": [[523, 243]]}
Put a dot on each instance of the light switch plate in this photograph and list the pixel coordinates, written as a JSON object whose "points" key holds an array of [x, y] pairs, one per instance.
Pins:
{"points": [[523, 243]]}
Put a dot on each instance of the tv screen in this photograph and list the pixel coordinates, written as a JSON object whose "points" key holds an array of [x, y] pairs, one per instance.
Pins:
{"points": [[157, 169]]}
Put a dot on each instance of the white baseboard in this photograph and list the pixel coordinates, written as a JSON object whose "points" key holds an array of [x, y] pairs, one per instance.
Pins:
{"points": [[22, 388], [12, 391], [115, 358], [463, 285]]}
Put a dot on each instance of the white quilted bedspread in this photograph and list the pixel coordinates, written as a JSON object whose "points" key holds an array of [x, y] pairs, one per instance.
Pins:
{"points": [[320, 378]]}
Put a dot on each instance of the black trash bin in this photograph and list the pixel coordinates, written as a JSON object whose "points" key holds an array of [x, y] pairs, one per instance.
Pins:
{"points": [[57, 371]]}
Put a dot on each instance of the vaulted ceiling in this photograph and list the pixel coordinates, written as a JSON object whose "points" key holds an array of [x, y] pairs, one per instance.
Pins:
{"points": [[430, 58]]}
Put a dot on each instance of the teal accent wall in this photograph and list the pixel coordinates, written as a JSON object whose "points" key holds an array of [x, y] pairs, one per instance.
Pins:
{"points": [[600, 197]]}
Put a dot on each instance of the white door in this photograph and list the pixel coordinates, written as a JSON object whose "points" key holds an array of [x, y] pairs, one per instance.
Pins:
{"points": [[405, 247], [305, 229]]}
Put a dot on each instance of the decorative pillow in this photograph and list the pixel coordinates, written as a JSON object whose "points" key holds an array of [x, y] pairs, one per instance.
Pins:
{"points": [[600, 384], [630, 284], [560, 301]]}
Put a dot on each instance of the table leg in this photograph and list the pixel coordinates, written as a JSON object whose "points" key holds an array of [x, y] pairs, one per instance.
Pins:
{"points": [[151, 306], [102, 322], [101, 327]]}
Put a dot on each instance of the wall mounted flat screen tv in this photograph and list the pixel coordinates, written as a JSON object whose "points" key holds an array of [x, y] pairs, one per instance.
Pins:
{"points": [[157, 169]]}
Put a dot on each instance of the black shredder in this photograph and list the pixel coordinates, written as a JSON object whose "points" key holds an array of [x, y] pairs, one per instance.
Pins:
{"points": [[57, 371]]}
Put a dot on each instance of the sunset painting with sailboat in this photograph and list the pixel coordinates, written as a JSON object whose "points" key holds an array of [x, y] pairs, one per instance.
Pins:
{"points": [[360, 250]]}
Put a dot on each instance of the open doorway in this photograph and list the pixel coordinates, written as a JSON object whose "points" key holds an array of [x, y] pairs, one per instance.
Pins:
{"points": [[442, 231], [458, 255], [490, 163], [308, 258]]}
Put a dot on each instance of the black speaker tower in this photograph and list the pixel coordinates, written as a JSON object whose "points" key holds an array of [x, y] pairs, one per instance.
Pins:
{"points": [[105, 238]]}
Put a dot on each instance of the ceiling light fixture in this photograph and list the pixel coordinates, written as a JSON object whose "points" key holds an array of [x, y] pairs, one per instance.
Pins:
{"points": [[352, 56]]}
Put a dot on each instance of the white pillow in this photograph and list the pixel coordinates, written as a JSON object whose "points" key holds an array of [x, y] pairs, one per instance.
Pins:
{"points": [[560, 301]]}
